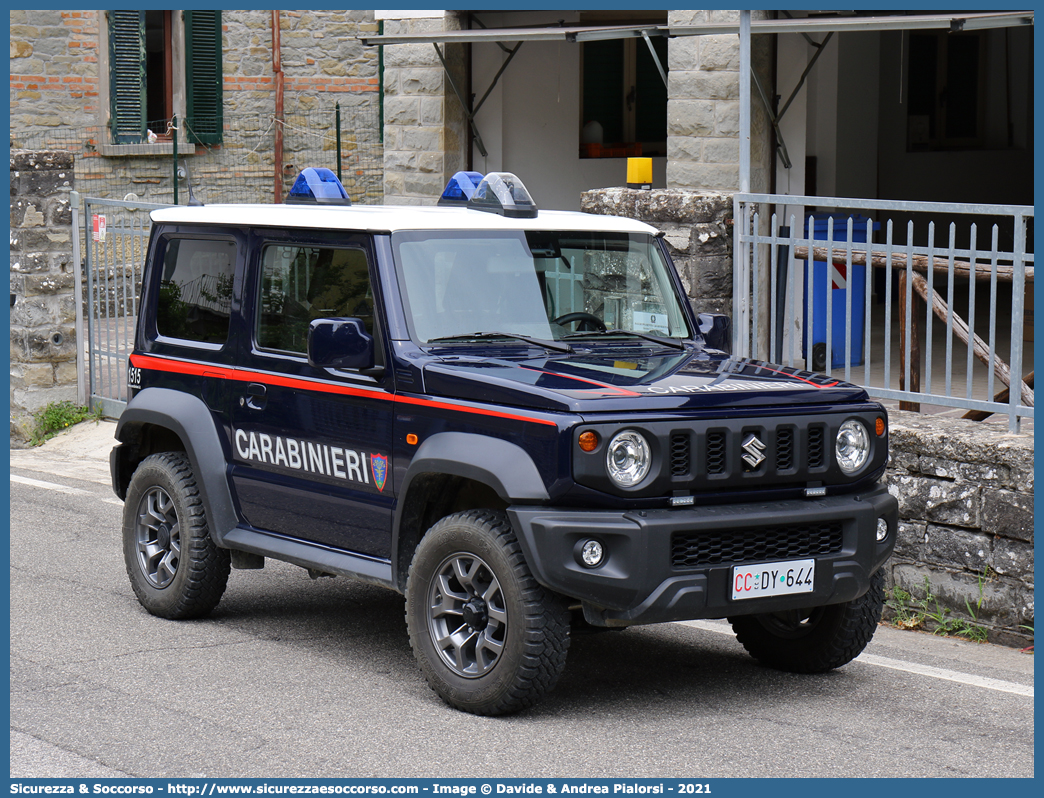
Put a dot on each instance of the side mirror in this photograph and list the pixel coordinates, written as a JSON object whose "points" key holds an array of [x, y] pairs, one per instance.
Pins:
{"points": [[716, 329], [339, 344]]}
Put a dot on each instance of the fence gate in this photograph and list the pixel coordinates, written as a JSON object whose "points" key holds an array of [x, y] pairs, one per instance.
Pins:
{"points": [[110, 240]]}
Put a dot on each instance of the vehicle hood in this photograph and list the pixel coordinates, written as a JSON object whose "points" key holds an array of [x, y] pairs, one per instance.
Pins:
{"points": [[615, 381]]}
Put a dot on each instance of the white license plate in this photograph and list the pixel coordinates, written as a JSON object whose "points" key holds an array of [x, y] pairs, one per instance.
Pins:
{"points": [[773, 579]]}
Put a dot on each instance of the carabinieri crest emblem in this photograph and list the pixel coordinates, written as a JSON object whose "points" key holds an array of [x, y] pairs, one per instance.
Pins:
{"points": [[379, 469]]}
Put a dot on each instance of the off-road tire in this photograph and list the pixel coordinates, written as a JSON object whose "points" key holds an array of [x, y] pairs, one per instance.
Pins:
{"points": [[175, 568], [816, 640], [531, 622]]}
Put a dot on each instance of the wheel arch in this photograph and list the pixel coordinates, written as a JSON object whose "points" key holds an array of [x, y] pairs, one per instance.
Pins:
{"points": [[160, 419], [456, 471]]}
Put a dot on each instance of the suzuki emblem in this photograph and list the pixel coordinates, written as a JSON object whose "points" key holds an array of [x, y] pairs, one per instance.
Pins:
{"points": [[754, 452]]}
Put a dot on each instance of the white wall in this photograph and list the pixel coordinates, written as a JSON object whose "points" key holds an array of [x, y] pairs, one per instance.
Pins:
{"points": [[530, 123]]}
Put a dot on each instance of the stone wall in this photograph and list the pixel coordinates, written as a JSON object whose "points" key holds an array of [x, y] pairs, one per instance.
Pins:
{"points": [[698, 232], [43, 313], [425, 134], [965, 492], [703, 107]]}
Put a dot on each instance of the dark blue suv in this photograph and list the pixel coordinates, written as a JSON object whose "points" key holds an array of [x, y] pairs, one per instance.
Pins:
{"points": [[510, 415]]}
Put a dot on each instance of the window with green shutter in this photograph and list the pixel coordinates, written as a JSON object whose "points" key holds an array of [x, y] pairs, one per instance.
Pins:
{"points": [[127, 76], [203, 75], [142, 75]]}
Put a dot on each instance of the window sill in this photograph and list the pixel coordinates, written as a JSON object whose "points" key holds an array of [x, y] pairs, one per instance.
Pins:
{"points": [[160, 148]]}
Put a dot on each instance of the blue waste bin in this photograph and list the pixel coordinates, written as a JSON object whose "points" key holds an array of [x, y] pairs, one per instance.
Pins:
{"points": [[840, 284]]}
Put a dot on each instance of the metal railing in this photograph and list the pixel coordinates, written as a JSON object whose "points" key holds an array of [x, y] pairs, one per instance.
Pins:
{"points": [[941, 294], [112, 237]]}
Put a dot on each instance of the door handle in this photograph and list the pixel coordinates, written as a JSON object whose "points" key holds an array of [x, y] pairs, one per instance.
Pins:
{"points": [[256, 396]]}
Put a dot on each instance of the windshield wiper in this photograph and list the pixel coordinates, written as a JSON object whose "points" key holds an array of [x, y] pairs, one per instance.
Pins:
{"points": [[671, 342], [554, 346]]}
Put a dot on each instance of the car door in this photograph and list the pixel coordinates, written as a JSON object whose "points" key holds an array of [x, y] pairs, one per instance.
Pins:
{"points": [[311, 447]]}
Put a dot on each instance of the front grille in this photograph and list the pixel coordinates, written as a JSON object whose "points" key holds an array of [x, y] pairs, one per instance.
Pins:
{"points": [[784, 449], [680, 454], [695, 549], [816, 450], [715, 452]]}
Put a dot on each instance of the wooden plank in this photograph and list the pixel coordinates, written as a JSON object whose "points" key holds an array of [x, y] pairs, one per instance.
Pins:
{"points": [[1002, 396], [961, 268], [915, 347]]}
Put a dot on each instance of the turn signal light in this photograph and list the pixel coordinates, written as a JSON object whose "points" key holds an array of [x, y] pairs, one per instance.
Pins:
{"points": [[879, 426], [588, 441]]}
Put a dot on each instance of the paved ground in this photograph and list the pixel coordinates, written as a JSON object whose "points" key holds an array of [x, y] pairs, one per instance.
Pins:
{"points": [[295, 677]]}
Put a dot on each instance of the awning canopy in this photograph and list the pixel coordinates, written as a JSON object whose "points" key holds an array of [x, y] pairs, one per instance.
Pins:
{"points": [[815, 24]]}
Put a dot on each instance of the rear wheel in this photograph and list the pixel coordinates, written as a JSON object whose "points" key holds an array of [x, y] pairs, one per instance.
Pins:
{"points": [[813, 640], [489, 639], [175, 568]]}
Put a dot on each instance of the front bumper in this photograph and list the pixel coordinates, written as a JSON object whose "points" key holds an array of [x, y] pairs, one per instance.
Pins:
{"points": [[638, 583]]}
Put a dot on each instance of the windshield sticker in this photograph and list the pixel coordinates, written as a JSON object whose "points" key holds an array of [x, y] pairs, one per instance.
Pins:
{"points": [[650, 322], [312, 457]]}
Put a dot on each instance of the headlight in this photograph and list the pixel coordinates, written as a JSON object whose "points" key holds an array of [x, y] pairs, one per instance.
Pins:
{"points": [[628, 458], [852, 446]]}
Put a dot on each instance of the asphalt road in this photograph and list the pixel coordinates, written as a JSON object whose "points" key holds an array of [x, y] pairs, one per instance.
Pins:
{"points": [[294, 677]]}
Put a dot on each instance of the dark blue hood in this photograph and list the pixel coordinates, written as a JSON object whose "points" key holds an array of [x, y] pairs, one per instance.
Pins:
{"points": [[622, 381]]}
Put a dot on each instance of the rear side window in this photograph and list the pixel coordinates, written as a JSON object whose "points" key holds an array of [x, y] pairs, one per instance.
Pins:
{"points": [[195, 291], [302, 283]]}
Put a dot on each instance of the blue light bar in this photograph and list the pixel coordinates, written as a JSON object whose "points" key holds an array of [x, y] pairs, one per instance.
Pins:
{"points": [[460, 188], [317, 186], [503, 193]]}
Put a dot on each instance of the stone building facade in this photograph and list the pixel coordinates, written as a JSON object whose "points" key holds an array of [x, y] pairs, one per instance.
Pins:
{"points": [[59, 100], [425, 133], [703, 107]]}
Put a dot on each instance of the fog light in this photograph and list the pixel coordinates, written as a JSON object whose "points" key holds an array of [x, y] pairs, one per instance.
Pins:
{"points": [[882, 529], [592, 553]]}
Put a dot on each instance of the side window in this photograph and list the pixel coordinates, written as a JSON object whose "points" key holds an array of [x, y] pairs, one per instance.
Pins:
{"points": [[195, 291], [301, 283]]}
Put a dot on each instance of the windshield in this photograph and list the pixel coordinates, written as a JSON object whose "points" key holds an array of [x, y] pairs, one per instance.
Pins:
{"points": [[547, 285]]}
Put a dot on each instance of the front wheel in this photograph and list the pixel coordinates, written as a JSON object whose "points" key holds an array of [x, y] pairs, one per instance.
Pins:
{"points": [[489, 639], [813, 640]]}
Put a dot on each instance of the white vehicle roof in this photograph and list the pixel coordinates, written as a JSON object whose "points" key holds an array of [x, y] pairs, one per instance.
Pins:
{"points": [[391, 218]]}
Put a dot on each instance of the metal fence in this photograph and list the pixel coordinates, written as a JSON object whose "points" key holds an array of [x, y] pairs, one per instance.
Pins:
{"points": [[111, 237], [926, 303], [345, 138]]}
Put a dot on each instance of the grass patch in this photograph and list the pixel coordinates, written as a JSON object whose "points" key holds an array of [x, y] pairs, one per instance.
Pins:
{"points": [[48, 421], [912, 612]]}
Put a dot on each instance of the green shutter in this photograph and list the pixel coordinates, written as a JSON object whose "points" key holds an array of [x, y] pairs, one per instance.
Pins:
{"points": [[127, 76], [203, 75]]}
